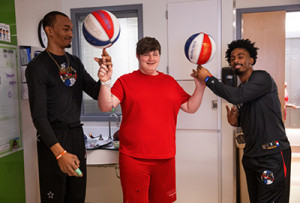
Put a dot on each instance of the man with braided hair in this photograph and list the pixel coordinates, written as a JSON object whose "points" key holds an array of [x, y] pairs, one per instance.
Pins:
{"points": [[267, 154]]}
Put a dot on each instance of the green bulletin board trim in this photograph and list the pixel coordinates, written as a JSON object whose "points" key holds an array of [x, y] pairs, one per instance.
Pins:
{"points": [[12, 180], [12, 183], [7, 16]]}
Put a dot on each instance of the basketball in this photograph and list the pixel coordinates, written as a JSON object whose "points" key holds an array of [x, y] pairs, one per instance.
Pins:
{"points": [[101, 29], [200, 48]]}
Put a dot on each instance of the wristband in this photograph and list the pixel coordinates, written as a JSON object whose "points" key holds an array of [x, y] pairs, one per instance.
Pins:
{"points": [[106, 83], [206, 79], [58, 157]]}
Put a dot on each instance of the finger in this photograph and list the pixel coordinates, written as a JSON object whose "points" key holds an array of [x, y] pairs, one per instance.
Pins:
{"points": [[108, 63], [108, 59], [78, 171], [194, 75], [104, 52], [109, 67], [235, 108], [70, 171], [228, 110], [104, 60], [102, 72], [103, 68], [232, 110], [77, 162], [195, 72], [98, 60]]}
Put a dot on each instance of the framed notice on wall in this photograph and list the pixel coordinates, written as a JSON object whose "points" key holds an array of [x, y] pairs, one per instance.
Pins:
{"points": [[10, 132]]}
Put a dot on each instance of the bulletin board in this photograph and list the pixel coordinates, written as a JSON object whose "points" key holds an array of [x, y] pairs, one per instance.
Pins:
{"points": [[10, 132], [12, 184]]}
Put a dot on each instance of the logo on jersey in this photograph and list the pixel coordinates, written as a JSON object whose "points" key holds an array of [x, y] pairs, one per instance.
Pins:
{"points": [[267, 177], [271, 145], [68, 75]]}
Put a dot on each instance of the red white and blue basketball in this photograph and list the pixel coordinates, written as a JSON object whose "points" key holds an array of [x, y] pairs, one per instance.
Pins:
{"points": [[101, 28], [200, 48]]}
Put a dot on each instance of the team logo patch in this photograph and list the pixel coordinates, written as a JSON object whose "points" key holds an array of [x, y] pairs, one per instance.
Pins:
{"points": [[271, 145], [267, 177], [68, 75]]}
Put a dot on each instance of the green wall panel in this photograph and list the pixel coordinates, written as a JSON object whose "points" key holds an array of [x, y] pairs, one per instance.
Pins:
{"points": [[12, 182], [12, 178]]}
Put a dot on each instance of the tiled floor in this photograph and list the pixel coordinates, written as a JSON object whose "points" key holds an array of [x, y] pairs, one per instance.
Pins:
{"points": [[295, 176]]}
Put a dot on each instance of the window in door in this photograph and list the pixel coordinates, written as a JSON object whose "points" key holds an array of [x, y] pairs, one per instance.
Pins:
{"points": [[122, 52]]}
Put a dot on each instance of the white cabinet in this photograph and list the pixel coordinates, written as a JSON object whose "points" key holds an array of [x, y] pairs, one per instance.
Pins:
{"points": [[184, 20], [198, 167], [207, 116], [198, 136]]}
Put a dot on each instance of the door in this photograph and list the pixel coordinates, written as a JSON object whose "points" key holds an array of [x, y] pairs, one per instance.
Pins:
{"points": [[267, 30]]}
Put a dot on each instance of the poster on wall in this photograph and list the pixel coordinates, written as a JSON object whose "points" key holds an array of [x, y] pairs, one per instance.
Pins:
{"points": [[4, 32], [9, 103]]}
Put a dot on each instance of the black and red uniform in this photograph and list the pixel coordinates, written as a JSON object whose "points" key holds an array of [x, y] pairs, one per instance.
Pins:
{"points": [[267, 154], [55, 96]]}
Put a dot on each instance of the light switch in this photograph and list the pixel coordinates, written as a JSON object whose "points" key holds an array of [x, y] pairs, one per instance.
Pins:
{"points": [[214, 104]]}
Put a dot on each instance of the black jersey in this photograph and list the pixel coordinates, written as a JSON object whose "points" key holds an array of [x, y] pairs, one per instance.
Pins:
{"points": [[259, 112], [55, 95]]}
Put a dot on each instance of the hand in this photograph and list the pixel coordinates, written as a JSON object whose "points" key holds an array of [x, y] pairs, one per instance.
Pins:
{"points": [[198, 83], [106, 59], [291, 105], [201, 73], [105, 70], [68, 163], [232, 115]]}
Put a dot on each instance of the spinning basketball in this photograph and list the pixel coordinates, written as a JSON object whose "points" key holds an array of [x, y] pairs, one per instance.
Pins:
{"points": [[101, 28], [200, 48]]}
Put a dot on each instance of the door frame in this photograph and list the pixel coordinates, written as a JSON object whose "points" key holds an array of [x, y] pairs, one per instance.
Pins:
{"points": [[240, 12]]}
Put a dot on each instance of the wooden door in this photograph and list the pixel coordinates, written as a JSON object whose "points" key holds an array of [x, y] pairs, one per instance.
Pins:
{"points": [[267, 30]]}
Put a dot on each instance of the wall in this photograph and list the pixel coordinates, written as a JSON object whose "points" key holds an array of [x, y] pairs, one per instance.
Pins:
{"points": [[155, 24]]}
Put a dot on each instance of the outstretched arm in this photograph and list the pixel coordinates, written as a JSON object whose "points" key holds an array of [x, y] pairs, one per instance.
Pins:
{"points": [[258, 84], [194, 102], [106, 100]]}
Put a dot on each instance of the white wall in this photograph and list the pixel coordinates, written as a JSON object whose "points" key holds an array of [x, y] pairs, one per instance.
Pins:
{"points": [[28, 15], [30, 12]]}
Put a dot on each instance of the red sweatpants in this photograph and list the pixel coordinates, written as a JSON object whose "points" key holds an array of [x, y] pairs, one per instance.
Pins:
{"points": [[147, 180]]}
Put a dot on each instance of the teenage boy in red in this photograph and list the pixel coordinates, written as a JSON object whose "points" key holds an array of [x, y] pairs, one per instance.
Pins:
{"points": [[150, 102]]}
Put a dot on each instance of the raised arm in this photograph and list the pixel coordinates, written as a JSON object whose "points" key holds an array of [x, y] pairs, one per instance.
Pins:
{"points": [[106, 100], [194, 102]]}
